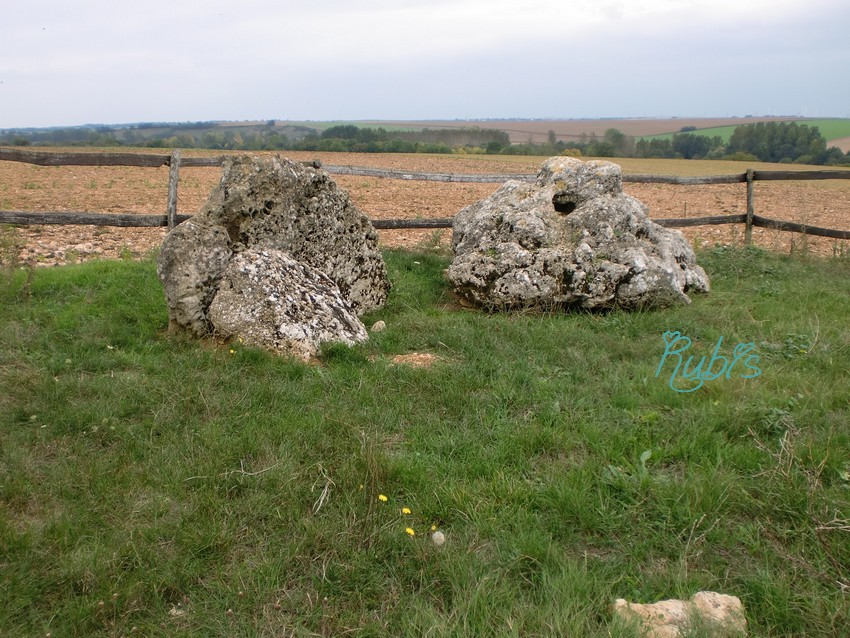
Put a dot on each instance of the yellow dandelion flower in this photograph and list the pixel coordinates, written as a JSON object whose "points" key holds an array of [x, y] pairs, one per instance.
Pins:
{"points": [[405, 510], [433, 528], [233, 352], [410, 531], [382, 498]]}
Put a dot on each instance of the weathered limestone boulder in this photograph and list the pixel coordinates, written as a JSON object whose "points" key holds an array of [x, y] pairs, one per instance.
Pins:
{"points": [[264, 206], [271, 301], [713, 614], [573, 239], [272, 202], [189, 265]]}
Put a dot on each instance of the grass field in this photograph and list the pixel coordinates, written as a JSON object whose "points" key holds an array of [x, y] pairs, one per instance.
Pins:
{"points": [[156, 486]]}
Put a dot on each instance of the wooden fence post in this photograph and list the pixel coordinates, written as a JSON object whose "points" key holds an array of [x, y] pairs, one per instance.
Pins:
{"points": [[751, 207], [173, 177]]}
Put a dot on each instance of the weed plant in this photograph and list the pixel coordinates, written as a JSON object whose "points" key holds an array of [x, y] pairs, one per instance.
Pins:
{"points": [[153, 485], [15, 277]]}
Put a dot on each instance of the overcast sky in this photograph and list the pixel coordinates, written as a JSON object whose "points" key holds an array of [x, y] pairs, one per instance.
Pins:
{"points": [[67, 62]]}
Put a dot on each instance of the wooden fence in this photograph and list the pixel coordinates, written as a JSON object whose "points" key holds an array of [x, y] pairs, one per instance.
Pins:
{"points": [[175, 161]]}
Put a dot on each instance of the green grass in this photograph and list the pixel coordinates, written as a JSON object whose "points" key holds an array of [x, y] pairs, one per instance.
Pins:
{"points": [[830, 128], [154, 482]]}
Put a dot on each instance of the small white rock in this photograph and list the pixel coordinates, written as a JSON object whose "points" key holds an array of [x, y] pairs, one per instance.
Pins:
{"points": [[378, 326], [438, 538]]}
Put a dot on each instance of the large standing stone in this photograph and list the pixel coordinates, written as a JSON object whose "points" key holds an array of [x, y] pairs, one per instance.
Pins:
{"points": [[273, 202], [572, 239], [269, 204]]}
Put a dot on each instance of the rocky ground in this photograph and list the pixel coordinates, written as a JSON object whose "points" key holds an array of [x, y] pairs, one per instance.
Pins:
{"points": [[25, 187]]}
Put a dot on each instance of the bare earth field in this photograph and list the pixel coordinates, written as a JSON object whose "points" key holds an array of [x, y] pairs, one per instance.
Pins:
{"points": [[843, 143], [144, 190]]}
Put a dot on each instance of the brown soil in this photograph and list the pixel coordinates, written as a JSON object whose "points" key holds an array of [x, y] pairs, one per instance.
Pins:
{"points": [[416, 359], [144, 190]]}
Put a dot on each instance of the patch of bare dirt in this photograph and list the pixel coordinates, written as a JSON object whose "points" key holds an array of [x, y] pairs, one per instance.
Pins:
{"points": [[26, 187], [416, 359]]}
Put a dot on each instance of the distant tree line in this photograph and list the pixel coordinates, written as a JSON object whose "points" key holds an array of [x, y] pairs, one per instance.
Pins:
{"points": [[209, 135], [357, 139], [783, 142]]}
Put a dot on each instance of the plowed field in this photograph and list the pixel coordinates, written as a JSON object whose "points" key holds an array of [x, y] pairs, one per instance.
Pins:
{"points": [[144, 190]]}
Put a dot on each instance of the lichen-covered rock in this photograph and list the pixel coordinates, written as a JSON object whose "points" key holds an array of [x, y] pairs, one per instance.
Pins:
{"points": [[269, 204], [189, 266], [713, 614], [269, 300], [664, 619], [723, 613], [572, 239]]}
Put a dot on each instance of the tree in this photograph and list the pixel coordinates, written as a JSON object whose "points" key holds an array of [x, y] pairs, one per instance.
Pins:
{"points": [[342, 132], [493, 148], [615, 137], [693, 145], [601, 149], [782, 142], [656, 148]]}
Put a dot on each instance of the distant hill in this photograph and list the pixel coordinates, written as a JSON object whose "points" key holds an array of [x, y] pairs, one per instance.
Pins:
{"points": [[282, 134], [211, 134], [520, 131], [537, 131]]}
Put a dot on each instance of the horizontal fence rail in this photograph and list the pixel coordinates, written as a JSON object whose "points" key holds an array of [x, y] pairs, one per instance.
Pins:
{"points": [[764, 222], [426, 177], [771, 176], [70, 218], [717, 220], [175, 161], [41, 158]]}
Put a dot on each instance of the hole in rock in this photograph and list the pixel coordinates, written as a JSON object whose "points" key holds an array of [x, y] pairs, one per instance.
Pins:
{"points": [[563, 203]]}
